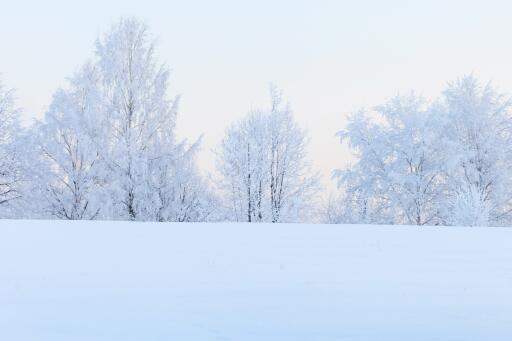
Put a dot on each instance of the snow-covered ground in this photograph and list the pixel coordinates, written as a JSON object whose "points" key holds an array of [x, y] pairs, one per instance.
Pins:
{"points": [[131, 281]]}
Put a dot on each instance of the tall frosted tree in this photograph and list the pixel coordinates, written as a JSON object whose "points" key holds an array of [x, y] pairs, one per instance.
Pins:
{"points": [[109, 143], [264, 172], [139, 117], [151, 176]]}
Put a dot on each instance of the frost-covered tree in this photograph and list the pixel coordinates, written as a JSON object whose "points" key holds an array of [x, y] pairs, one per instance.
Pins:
{"points": [[241, 163], [262, 162], [139, 118], [398, 175], [71, 172], [443, 163], [151, 176], [477, 137], [108, 140], [10, 152]]}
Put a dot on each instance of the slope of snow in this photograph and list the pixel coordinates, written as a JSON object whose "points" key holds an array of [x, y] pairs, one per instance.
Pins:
{"points": [[108, 281]]}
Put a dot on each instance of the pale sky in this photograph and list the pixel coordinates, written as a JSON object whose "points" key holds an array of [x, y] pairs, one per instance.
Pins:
{"points": [[330, 57]]}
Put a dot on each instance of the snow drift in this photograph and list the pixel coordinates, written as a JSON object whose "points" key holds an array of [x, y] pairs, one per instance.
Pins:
{"points": [[147, 281]]}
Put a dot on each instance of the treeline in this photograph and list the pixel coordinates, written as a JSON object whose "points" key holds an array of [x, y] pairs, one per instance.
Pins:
{"points": [[106, 149]]}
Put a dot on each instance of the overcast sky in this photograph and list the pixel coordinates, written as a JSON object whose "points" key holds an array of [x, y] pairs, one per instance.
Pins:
{"points": [[330, 57]]}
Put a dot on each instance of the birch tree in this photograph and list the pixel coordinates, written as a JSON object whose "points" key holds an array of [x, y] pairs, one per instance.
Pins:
{"points": [[108, 140], [149, 170], [264, 172]]}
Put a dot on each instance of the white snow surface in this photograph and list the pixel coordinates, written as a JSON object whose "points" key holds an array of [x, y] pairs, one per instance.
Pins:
{"points": [[107, 281]]}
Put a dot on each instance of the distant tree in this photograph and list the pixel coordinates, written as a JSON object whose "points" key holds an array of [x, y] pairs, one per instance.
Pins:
{"points": [[263, 166], [10, 151]]}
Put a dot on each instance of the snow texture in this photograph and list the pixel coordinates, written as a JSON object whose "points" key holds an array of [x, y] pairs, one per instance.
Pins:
{"points": [[148, 281]]}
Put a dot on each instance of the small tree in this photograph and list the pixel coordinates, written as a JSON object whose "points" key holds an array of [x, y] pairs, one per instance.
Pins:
{"points": [[262, 162]]}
